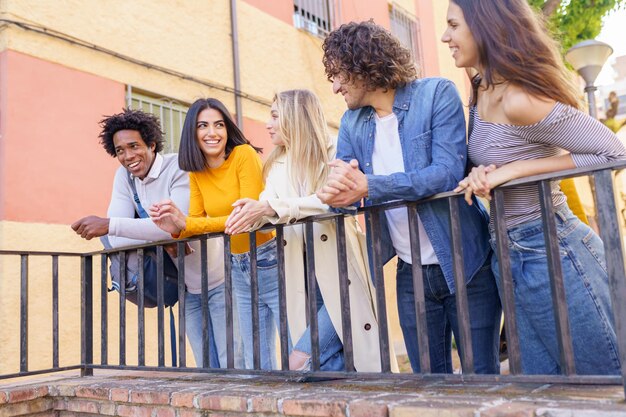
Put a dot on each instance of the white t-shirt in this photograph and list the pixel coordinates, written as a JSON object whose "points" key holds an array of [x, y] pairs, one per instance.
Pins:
{"points": [[387, 159]]}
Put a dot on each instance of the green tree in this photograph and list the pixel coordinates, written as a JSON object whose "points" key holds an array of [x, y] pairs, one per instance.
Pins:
{"points": [[576, 20]]}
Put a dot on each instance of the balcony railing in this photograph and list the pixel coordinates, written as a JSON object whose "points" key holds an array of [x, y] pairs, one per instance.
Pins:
{"points": [[610, 232]]}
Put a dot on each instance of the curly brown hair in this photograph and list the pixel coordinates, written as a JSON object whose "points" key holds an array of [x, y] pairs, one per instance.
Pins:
{"points": [[369, 53]]}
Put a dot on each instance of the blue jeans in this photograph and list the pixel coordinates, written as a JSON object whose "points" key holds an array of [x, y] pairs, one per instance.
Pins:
{"points": [[442, 319], [217, 333], [586, 291], [331, 348], [267, 275]]}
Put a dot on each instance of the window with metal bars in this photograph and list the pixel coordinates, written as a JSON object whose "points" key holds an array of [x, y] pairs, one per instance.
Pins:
{"points": [[315, 16], [170, 112], [406, 28]]}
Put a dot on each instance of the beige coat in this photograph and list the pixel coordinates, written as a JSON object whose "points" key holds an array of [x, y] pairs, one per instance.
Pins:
{"points": [[289, 207]]}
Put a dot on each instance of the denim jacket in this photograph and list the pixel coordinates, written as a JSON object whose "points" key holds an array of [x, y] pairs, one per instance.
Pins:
{"points": [[432, 135]]}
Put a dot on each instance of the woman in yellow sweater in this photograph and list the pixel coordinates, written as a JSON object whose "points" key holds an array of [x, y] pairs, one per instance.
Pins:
{"points": [[224, 167]]}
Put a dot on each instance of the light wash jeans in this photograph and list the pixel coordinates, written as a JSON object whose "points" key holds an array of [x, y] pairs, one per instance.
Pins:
{"points": [[217, 332], [442, 318], [331, 348], [267, 275], [586, 291]]}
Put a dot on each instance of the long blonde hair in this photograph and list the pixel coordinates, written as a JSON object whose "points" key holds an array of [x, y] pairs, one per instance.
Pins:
{"points": [[307, 143]]}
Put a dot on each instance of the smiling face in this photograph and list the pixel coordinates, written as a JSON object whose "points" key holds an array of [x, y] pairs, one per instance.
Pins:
{"points": [[354, 92], [460, 39], [133, 153], [212, 136], [273, 126]]}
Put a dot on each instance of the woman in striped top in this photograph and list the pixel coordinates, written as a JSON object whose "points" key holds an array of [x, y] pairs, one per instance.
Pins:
{"points": [[524, 113]]}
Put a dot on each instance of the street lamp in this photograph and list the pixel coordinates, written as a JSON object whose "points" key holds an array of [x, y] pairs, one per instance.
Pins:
{"points": [[588, 58]]}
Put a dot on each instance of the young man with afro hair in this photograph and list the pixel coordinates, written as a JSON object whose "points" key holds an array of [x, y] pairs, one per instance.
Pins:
{"points": [[135, 139]]}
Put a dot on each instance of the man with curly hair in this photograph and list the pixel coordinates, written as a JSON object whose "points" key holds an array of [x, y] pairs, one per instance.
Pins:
{"points": [[135, 139], [403, 138]]}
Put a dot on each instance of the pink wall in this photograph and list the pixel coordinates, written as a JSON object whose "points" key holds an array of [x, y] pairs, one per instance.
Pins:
{"points": [[429, 37], [3, 107], [53, 168], [256, 133], [359, 10], [351, 10], [280, 9]]}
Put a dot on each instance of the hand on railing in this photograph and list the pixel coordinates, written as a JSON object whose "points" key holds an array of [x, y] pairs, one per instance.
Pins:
{"points": [[168, 217], [91, 226], [345, 185], [480, 181], [245, 214]]}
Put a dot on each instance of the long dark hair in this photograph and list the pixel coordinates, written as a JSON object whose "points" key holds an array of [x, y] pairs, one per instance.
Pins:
{"points": [[190, 156], [514, 46]]}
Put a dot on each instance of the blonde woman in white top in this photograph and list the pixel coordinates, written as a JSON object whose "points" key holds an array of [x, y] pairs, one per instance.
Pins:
{"points": [[296, 168]]}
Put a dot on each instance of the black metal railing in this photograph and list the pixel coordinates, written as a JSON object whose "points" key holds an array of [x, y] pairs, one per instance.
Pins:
{"points": [[610, 232]]}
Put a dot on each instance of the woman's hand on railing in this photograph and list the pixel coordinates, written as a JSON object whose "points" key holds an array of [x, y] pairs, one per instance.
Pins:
{"points": [[480, 181], [245, 214], [168, 217]]}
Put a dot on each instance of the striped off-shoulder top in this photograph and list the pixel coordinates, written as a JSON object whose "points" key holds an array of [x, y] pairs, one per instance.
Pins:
{"points": [[563, 129]]}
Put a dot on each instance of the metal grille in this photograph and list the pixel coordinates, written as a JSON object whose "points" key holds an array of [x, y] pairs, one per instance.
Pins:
{"points": [[406, 28], [315, 16], [170, 112]]}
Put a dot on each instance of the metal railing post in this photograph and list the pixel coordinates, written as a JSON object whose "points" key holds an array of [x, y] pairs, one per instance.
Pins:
{"points": [[86, 315], [611, 234]]}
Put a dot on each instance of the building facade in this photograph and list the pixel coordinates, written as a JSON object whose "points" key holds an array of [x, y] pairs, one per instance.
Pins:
{"points": [[65, 64]]}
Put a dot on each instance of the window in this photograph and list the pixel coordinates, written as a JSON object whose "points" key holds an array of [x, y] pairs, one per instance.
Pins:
{"points": [[170, 112], [406, 28], [315, 16]]}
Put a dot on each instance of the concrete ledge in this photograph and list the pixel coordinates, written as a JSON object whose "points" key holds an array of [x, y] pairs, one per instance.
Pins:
{"points": [[197, 395]]}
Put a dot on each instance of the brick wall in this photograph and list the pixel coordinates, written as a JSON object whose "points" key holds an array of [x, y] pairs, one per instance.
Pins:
{"points": [[159, 395]]}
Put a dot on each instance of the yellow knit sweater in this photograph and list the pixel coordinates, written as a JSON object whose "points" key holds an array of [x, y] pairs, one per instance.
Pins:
{"points": [[214, 190]]}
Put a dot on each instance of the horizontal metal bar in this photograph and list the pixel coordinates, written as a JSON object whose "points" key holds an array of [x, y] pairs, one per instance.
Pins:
{"points": [[570, 173], [40, 372], [40, 253], [368, 376]]}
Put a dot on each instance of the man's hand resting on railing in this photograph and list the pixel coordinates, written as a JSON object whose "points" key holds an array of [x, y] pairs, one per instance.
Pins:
{"points": [[345, 184], [245, 214], [168, 217], [91, 226]]}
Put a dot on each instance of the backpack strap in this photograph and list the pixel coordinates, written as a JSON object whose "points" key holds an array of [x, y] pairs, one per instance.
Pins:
{"points": [[140, 210]]}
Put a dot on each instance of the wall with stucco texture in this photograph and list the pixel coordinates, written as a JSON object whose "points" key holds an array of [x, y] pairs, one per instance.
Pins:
{"points": [[43, 237], [51, 79], [54, 170]]}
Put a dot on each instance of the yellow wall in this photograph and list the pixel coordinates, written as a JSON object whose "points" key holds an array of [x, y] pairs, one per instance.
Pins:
{"points": [[44, 237], [154, 32], [190, 37], [193, 38]]}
